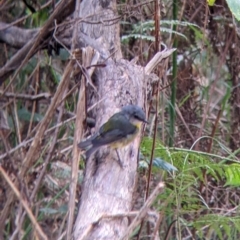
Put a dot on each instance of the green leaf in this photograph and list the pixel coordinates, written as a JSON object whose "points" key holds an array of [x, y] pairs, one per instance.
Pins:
{"points": [[61, 210], [138, 36], [159, 163], [233, 174], [211, 2], [234, 6], [141, 31], [25, 115]]}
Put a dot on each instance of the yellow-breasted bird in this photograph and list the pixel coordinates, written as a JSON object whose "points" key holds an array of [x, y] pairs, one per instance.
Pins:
{"points": [[117, 132]]}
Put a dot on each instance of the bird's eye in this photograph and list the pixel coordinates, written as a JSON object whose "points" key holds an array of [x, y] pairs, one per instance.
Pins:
{"points": [[136, 116]]}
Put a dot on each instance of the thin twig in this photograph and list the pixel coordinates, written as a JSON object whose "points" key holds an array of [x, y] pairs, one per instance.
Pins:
{"points": [[33, 151], [143, 211], [77, 135], [26, 142], [26, 96], [111, 216], [157, 48], [25, 17], [212, 89], [48, 158], [34, 102], [156, 229], [24, 203], [26, 52]]}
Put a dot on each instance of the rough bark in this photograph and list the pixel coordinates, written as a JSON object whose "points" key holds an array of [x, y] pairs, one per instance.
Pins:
{"points": [[107, 188]]}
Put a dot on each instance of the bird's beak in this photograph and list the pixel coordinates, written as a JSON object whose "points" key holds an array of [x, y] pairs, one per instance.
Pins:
{"points": [[145, 121]]}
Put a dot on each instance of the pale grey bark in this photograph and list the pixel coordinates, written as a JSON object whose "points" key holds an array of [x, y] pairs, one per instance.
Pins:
{"points": [[107, 188]]}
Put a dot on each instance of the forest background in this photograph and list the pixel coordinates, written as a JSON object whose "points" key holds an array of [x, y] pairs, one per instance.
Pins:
{"points": [[193, 109]]}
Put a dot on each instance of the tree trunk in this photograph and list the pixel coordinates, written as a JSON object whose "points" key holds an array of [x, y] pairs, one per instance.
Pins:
{"points": [[108, 189]]}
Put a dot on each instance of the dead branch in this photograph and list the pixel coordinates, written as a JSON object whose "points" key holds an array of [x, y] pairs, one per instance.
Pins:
{"points": [[24, 203], [33, 151], [64, 9], [26, 96], [143, 211], [14, 36]]}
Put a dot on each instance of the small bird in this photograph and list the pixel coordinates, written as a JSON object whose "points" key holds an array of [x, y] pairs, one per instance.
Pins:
{"points": [[117, 132]]}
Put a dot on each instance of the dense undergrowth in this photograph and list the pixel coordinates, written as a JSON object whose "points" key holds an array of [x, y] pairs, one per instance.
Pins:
{"points": [[198, 138]]}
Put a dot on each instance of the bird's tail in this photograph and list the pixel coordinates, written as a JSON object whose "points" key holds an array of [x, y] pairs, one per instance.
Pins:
{"points": [[88, 146], [91, 151], [87, 143], [84, 144]]}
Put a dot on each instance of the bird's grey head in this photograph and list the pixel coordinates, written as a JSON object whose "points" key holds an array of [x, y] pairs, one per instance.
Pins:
{"points": [[134, 112]]}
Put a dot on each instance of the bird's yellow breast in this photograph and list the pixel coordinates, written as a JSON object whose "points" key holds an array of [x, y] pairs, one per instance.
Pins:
{"points": [[126, 140]]}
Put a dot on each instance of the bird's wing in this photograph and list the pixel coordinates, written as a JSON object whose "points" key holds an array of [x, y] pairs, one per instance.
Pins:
{"points": [[110, 133], [86, 143]]}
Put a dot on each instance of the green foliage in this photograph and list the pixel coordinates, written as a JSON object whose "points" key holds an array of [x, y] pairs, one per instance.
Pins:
{"points": [[47, 209], [234, 6], [25, 115], [220, 223], [211, 2], [183, 197], [37, 19], [137, 36], [202, 195], [233, 174], [142, 30], [53, 211]]}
